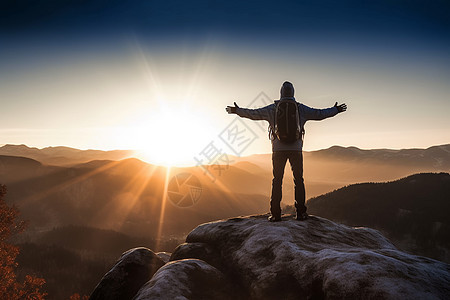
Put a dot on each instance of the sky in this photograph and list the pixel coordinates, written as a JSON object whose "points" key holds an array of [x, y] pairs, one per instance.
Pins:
{"points": [[156, 76]]}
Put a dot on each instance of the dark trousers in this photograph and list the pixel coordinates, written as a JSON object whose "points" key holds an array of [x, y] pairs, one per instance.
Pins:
{"points": [[279, 159]]}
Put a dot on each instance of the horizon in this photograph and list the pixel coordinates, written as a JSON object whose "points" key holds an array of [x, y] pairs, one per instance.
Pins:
{"points": [[143, 158]]}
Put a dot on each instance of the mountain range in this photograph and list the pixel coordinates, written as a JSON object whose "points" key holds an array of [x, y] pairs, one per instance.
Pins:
{"points": [[63, 156], [80, 202], [125, 194]]}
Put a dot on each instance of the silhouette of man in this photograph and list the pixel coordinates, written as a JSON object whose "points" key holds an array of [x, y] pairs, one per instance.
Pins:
{"points": [[281, 152]]}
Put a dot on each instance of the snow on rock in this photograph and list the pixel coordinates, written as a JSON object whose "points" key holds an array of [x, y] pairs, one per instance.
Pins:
{"points": [[319, 259], [134, 268], [186, 279]]}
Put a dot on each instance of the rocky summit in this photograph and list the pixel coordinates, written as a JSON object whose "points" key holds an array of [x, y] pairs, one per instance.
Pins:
{"points": [[251, 258]]}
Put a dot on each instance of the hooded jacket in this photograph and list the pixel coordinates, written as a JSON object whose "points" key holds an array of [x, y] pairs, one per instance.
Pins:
{"points": [[267, 113]]}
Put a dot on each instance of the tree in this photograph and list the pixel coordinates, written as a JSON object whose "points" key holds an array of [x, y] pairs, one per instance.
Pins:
{"points": [[77, 296], [10, 287]]}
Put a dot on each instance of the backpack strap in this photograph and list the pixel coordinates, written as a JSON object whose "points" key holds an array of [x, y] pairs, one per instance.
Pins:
{"points": [[270, 130], [302, 129]]}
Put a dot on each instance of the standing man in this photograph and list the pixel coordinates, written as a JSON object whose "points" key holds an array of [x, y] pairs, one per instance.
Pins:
{"points": [[287, 145]]}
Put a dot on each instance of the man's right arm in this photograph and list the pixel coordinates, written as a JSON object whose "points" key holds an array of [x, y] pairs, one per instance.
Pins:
{"points": [[253, 114]]}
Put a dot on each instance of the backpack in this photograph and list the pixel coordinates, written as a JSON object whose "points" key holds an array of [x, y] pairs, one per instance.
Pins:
{"points": [[287, 121]]}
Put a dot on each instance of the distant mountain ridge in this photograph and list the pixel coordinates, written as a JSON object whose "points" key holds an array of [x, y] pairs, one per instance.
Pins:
{"points": [[329, 169], [437, 156], [324, 170], [63, 155]]}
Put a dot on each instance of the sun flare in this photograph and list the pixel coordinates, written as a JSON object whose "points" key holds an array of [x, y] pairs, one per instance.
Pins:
{"points": [[170, 136]]}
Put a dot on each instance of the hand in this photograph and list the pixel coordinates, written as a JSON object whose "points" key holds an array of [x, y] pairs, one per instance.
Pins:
{"points": [[232, 109], [341, 108]]}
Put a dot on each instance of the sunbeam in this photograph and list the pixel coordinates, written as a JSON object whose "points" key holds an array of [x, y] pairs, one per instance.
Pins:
{"points": [[153, 82], [117, 211], [163, 208], [56, 188]]}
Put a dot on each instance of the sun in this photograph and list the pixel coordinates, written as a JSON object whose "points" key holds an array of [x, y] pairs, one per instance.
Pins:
{"points": [[169, 136]]}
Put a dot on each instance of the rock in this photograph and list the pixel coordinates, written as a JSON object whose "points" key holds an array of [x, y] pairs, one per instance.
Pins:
{"points": [[186, 279], [319, 259], [251, 258], [165, 256], [134, 268], [198, 250]]}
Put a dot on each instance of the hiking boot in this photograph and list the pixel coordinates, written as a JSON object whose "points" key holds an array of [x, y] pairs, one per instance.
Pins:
{"points": [[301, 217], [274, 219]]}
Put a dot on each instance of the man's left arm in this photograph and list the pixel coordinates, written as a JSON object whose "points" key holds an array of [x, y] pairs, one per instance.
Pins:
{"points": [[320, 114]]}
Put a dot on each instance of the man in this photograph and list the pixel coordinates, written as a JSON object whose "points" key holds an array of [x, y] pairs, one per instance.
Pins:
{"points": [[282, 151]]}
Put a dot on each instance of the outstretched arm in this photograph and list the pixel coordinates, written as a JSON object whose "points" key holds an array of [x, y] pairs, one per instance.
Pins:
{"points": [[320, 114], [253, 114]]}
